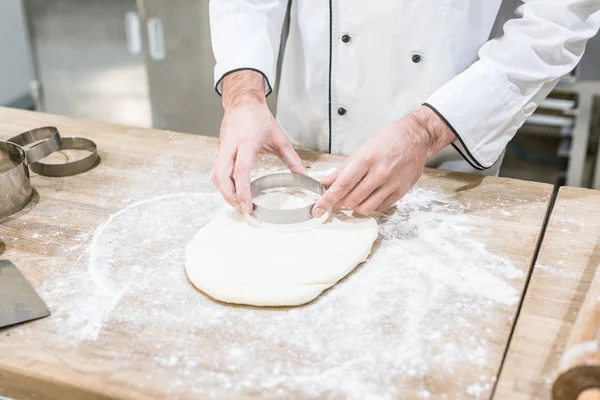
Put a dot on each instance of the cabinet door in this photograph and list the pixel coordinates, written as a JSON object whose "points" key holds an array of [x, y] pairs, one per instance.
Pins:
{"points": [[87, 56], [180, 65]]}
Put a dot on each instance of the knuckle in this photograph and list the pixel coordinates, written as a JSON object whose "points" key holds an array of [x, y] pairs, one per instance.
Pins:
{"points": [[344, 187], [369, 158], [382, 173]]}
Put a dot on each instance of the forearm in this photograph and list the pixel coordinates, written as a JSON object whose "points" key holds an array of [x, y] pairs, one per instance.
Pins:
{"points": [[488, 102], [245, 35], [433, 130], [242, 86]]}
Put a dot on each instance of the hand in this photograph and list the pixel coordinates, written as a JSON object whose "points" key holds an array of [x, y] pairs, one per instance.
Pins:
{"points": [[247, 128], [385, 168]]}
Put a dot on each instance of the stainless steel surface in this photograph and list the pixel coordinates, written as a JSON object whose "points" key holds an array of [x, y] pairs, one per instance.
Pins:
{"points": [[15, 71], [180, 63], [72, 167], [144, 63], [19, 301], [15, 186], [51, 142], [82, 59], [589, 67], [287, 216]]}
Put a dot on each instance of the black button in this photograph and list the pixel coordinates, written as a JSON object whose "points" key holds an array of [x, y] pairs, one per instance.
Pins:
{"points": [[345, 38], [341, 111], [416, 58]]}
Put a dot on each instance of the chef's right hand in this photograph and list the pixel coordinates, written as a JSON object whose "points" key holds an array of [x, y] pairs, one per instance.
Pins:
{"points": [[248, 127]]}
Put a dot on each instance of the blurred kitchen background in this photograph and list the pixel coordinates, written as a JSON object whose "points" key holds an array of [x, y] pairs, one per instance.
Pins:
{"points": [[149, 63]]}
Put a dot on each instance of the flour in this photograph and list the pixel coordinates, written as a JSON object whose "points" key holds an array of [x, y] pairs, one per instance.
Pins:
{"points": [[412, 315], [561, 271]]}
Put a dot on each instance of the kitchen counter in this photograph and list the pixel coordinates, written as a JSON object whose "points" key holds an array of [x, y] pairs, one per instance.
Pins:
{"points": [[427, 316]]}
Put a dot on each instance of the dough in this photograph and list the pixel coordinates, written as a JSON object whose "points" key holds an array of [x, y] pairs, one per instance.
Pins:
{"points": [[238, 259]]}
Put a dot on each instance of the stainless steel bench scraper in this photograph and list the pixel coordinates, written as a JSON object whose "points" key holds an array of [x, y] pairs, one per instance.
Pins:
{"points": [[19, 301]]}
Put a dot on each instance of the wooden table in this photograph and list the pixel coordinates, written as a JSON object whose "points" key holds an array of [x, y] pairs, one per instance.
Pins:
{"points": [[428, 316], [568, 258]]}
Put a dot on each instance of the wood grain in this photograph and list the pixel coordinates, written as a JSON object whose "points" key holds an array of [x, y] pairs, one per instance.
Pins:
{"points": [[568, 259], [48, 241]]}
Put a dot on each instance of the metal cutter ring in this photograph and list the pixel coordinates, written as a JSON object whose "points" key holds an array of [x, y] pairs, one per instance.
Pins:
{"points": [[284, 180], [71, 167], [15, 187], [51, 143]]}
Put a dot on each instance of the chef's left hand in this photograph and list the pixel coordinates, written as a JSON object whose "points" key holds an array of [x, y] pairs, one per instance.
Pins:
{"points": [[385, 168]]}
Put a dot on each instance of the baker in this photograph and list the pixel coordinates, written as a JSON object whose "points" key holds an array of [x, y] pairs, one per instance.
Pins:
{"points": [[396, 85]]}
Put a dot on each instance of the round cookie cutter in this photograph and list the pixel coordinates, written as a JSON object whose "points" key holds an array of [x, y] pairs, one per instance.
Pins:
{"points": [[284, 180], [51, 142], [71, 167], [16, 161], [15, 185]]}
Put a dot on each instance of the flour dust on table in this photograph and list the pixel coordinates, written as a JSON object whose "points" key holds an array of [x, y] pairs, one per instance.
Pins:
{"points": [[238, 259], [420, 316]]}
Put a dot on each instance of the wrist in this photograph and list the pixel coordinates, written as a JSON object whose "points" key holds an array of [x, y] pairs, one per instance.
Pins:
{"points": [[436, 133], [241, 87]]}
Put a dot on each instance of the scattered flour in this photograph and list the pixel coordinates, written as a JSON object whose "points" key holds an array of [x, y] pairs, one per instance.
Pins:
{"points": [[428, 303], [561, 271]]}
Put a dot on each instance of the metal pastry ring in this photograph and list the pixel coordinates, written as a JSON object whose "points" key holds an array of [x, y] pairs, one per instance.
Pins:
{"points": [[284, 180], [71, 167], [15, 186], [51, 143]]}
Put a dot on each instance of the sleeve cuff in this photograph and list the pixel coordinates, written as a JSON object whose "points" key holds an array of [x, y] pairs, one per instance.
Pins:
{"points": [[483, 110], [219, 80]]}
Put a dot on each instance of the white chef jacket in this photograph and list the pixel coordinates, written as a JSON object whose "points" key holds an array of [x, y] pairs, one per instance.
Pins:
{"points": [[351, 67]]}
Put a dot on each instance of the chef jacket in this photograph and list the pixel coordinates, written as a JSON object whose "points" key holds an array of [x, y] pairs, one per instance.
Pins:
{"points": [[351, 67]]}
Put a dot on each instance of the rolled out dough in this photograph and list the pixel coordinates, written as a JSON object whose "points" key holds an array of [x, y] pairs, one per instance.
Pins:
{"points": [[237, 259]]}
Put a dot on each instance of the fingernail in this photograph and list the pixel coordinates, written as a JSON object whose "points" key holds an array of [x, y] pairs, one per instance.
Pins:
{"points": [[318, 212]]}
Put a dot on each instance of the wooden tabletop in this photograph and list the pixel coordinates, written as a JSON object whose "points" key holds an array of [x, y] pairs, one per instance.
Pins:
{"points": [[565, 266], [428, 316]]}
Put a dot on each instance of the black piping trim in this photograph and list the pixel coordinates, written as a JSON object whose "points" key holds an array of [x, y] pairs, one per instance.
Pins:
{"points": [[330, 63], [243, 69], [465, 157], [471, 160]]}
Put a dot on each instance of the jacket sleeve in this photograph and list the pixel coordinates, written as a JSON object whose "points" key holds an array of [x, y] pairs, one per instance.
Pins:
{"points": [[488, 102], [245, 35]]}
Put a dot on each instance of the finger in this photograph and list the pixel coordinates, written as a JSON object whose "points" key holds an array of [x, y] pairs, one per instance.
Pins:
{"points": [[290, 158], [221, 173], [327, 182], [241, 177], [391, 200], [365, 187], [347, 180], [374, 200]]}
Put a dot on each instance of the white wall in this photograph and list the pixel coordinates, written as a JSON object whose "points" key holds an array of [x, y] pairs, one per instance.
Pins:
{"points": [[15, 67]]}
